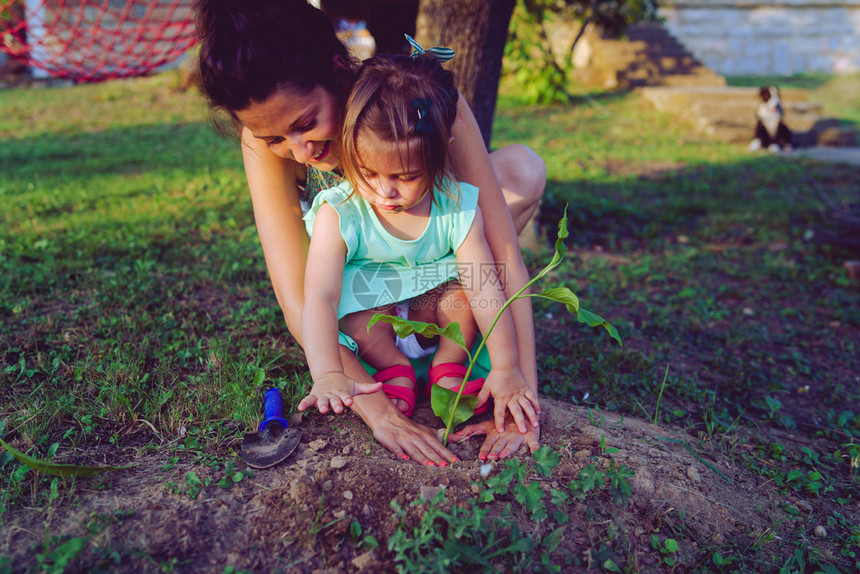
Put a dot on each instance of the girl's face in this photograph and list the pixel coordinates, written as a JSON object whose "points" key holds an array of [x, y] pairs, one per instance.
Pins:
{"points": [[395, 179], [299, 126]]}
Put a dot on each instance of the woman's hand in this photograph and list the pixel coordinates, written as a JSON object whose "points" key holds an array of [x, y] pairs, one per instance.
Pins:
{"points": [[404, 438], [510, 393], [498, 445], [335, 390]]}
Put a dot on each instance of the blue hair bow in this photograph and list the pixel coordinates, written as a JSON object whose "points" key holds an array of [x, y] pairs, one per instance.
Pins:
{"points": [[442, 54], [423, 125]]}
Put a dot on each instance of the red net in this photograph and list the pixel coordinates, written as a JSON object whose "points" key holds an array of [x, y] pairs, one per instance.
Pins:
{"points": [[95, 40]]}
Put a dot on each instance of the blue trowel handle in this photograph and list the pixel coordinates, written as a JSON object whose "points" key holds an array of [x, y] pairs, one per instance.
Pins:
{"points": [[273, 409]]}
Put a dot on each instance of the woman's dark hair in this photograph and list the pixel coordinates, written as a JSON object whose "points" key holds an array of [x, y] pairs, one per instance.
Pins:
{"points": [[249, 48], [402, 100]]}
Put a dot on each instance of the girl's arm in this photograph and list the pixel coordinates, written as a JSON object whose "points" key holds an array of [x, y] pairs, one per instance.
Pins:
{"points": [[505, 381], [472, 164], [323, 279]]}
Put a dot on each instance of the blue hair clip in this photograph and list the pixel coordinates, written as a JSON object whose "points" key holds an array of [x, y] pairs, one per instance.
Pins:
{"points": [[422, 107], [442, 54]]}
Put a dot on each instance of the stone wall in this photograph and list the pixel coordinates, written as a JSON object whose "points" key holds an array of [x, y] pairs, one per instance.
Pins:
{"points": [[768, 37]]}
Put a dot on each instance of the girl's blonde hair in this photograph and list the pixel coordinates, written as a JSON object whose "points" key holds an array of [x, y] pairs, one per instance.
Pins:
{"points": [[402, 99]]}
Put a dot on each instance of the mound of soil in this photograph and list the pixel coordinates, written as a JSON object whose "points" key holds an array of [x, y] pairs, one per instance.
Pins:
{"points": [[297, 515]]}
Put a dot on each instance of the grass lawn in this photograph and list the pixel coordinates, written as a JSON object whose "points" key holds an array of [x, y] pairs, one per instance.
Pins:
{"points": [[137, 314]]}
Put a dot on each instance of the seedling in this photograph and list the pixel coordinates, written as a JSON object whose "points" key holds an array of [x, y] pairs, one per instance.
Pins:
{"points": [[668, 548], [447, 404]]}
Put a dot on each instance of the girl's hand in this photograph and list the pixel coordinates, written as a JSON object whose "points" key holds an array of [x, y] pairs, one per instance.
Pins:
{"points": [[510, 393], [335, 390], [499, 445]]}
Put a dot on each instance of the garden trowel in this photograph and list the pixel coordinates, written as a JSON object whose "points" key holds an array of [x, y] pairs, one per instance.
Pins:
{"points": [[276, 440]]}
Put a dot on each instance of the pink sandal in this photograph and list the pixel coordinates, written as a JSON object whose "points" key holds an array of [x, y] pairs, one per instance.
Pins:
{"points": [[456, 370], [405, 394]]}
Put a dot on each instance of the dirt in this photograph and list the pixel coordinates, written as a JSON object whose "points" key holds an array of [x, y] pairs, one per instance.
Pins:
{"points": [[296, 516]]}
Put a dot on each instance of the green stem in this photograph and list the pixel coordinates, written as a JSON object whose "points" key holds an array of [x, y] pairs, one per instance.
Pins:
{"points": [[474, 358]]}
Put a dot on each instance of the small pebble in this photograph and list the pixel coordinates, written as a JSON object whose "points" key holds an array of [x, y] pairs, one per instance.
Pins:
{"points": [[820, 531], [337, 462], [693, 473], [430, 492], [318, 444], [345, 451], [347, 494]]}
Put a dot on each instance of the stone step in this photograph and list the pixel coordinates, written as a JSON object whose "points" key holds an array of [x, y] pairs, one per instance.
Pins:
{"points": [[728, 113], [700, 77], [676, 98]]}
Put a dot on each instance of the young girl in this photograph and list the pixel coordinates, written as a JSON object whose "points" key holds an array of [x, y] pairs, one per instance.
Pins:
{"points": [[398, 228]]}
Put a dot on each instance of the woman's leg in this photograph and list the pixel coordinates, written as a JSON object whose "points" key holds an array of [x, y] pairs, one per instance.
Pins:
{"points": [[522, 176], [377, 347]]}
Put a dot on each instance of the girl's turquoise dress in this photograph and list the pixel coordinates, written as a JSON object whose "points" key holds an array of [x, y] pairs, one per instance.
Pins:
{"points": [[382, 269]]}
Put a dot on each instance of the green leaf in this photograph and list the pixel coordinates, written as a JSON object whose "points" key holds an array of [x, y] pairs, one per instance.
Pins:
{"points": [[793, 475], [560, 247], [529, 496], [590, 478], [442, 401], [671, 545], [259, 377], [561, 295], [546, 459], [553, 539], [594, 320], [559, 497], [55, 562], [569, 299], [64, 470], [405, 327], [355, 529]]}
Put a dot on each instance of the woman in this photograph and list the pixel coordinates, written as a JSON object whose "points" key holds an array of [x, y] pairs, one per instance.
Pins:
{"points": [[277, 68]]}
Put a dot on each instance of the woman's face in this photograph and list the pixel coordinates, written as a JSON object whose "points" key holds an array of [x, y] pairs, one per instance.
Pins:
{"points": [[299, 126]]}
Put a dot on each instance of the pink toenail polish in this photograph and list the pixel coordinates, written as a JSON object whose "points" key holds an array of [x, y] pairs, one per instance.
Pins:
{"points": [[404, 456], [431, 463]]}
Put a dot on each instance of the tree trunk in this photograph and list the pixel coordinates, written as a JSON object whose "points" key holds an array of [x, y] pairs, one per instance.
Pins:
{"points": [[477, 30]]}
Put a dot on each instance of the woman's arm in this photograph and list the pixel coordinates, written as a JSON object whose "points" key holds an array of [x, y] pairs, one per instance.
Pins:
{"points": [[273, 182], [505, 381], [472, 164]]}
